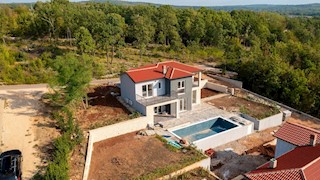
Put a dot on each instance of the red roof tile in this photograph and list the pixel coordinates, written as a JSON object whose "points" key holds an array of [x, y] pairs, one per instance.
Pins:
{"points": [[300, 163], [175, 70], [296, 134]]}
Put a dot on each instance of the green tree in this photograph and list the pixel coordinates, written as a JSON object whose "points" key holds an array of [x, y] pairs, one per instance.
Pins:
{"points": [[84, 41], [73, 74], [143, 31], [167, 26]]}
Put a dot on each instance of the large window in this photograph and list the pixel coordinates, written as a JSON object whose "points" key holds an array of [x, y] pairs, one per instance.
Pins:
{"points": [[147, 90]]}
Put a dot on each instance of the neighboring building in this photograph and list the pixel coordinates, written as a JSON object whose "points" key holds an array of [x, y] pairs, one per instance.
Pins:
{"points": [[291, 135], [302, 163], [163, 88]]}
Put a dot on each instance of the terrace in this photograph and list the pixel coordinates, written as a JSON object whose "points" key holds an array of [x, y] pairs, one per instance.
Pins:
{"points": [[156, 99]]}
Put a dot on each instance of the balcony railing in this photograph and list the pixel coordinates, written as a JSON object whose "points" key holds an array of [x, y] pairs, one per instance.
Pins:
{"points": [[147, 101]]}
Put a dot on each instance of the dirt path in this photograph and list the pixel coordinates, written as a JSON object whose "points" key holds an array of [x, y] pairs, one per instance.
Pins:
{"points": [[17, 126]]}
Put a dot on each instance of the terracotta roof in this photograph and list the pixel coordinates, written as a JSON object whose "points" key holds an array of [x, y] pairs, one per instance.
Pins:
{"points": [[174, 69], [296, 134], [299, 164]]}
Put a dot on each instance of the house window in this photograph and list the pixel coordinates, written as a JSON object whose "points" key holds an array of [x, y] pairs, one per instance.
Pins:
{"points": [[159, 85], [194, 96], [181, 86], [147, 90]]}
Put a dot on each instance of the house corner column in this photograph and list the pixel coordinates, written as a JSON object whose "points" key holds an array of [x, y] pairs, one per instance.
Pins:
{"points": [[199, 78]]}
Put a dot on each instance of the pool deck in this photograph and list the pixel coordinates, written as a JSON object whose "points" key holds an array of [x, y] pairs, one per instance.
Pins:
{"points": [[199, 112]]}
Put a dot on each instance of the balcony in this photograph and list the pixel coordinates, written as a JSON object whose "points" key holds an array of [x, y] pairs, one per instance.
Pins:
{"points": [[147, 101]]}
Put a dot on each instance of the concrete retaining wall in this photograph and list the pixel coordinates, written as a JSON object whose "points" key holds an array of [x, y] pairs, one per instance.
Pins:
{"points": [[224, 137], [236, 83], [205, 164], [120, 128], [265, 123], [216, 87], [1, 121], [114, 130], [281, 105]]}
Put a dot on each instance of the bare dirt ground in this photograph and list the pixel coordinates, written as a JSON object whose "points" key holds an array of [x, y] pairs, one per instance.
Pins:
{"points": [[237, 104], [77, 161], [104, 108], [205, 92], [305, 121], [26, 127], [129, 156], [247, 154]]}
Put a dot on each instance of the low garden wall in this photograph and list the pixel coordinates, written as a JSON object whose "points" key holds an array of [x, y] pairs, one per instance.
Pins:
{"points": [[216, 87], [265, 123], [114, 130], [224, 137], [1, 114], [205, 164], [236, 83]]}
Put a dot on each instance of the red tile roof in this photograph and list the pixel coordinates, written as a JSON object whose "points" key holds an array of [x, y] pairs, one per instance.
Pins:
{"points": [[175, 70], [296, 134], [299, 164]]}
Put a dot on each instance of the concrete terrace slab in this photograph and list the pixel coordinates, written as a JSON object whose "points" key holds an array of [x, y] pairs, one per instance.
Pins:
{"points": [[199, 112]]}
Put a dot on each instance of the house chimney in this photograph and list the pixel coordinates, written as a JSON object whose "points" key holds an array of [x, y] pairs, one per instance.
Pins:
{"points": [[273, 163], [164, 69], [313, 139]]}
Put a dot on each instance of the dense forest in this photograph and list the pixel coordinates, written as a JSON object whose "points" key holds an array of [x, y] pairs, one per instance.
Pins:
{"points": [[275, 55]]}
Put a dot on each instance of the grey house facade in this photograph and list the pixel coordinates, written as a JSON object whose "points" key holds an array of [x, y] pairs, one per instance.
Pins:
{"points": [[166, 88]]}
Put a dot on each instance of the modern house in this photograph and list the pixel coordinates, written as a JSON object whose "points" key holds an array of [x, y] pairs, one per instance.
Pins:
{"points": [[302, 163], [292, 135], [166, 88]]}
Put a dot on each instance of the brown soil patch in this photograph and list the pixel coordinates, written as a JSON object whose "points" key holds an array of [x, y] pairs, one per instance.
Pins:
{"points": [[205, 92], [305, 121], [77, 161], [129, 156], [237, 104], [104, 109]]}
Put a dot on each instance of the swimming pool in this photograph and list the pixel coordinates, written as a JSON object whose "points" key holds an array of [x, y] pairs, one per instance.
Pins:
{"points": [[203, 129]]}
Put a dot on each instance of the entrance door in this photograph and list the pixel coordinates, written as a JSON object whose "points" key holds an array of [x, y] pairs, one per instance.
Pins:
{"points": [[183, 105]]}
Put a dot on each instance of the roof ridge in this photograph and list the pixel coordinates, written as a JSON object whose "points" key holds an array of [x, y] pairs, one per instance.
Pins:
{"points": [[273, 172], [173, 69], [304, 127], [153, 67]]}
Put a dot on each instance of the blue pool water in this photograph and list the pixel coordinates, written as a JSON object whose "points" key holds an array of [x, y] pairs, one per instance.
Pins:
{"points": [[204, 129]]}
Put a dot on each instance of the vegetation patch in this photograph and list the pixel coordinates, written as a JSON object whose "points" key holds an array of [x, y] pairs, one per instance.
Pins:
{"points": [[195, 174]]}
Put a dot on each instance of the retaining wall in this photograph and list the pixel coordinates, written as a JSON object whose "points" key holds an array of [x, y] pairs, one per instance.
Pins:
{"points": [[205, 164], [1, 121], [216, 87], [265, 123], [236, 83], [281, 105], [114, 130], [224, 137]]}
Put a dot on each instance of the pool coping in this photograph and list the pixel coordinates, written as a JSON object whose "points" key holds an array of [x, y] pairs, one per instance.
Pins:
{"points": [[191, 124]]}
